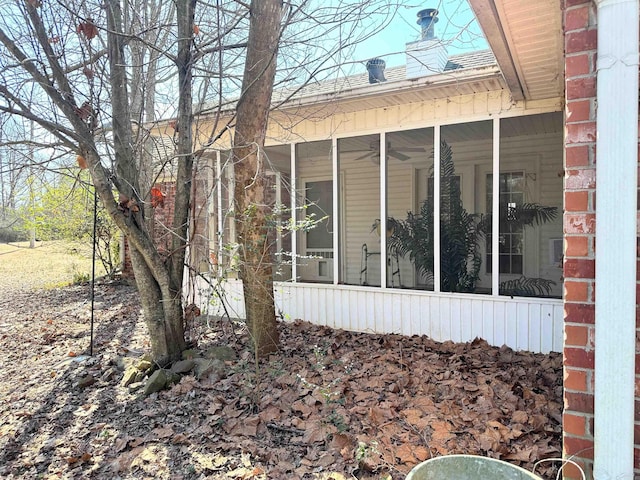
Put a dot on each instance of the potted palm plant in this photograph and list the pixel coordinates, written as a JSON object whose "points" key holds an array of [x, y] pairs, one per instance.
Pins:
{"points": [[461, 234]]}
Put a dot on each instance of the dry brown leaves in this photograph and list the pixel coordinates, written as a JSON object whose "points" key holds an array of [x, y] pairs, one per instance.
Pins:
{"points": [[330, 404]]}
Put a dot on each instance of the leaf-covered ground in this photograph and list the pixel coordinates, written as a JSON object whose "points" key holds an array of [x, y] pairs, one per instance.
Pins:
{"points": [[330, 404]]}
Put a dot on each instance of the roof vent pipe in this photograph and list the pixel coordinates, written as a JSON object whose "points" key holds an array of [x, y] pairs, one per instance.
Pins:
{"points": [[375, 67], [427, 19]]}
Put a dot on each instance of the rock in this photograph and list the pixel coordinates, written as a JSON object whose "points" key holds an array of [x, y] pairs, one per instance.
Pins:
{"points": [[190, 354], [108, 374], [221, 352], [135, 386], [172, 377], [86, 381], [209, 368], [144, 365], [129, 376], [124, 363], [156, 382], [183, 366]]}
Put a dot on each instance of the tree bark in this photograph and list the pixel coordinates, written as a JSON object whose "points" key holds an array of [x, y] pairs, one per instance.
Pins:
{"points": [[252, 212], [159, 281]]}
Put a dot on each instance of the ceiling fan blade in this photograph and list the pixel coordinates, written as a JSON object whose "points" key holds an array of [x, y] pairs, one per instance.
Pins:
{"points": [[366, 155], [409, 149], [356, 151], [400, 156]]}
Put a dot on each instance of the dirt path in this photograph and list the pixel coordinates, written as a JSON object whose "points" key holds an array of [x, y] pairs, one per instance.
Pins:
{"points": [[331, 404]]}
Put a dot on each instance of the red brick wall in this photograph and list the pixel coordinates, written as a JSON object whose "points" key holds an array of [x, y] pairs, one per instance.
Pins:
{"points": [[579, 231], [161, 215], [580, 18]]}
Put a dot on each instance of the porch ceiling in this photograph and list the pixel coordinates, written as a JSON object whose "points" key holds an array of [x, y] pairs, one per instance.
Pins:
{"points": [[526, 39]]}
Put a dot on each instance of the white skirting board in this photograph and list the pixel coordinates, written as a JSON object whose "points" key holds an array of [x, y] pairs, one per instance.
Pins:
{"points": [[533, 324]]}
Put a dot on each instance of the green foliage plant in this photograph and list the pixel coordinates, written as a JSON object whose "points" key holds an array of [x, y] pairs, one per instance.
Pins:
{"points": [[64, 211], [461, 234]]}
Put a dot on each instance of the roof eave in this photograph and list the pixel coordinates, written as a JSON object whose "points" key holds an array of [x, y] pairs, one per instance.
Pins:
{"points": [[487, 15], [397, 87]]}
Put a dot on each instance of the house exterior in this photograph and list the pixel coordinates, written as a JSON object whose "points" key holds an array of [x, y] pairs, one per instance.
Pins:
{"points": [[519, 120], [600, 44], [358, 151]]}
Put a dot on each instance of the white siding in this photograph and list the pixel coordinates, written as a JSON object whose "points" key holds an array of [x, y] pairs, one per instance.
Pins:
{"points": [[520, 323]]}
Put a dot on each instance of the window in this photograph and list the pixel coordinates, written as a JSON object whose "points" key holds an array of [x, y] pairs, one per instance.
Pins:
{"points": [[511, 240], [320, 205]]}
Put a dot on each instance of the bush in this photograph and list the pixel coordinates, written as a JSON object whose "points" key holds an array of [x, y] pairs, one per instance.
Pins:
{"points": [[8, 235]]}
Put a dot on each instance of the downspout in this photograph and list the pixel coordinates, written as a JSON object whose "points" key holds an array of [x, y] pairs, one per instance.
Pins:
{"points": [[616, 231]]}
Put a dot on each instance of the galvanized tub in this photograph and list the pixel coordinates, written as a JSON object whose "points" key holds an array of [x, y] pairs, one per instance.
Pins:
{"points": [[468, 467]]}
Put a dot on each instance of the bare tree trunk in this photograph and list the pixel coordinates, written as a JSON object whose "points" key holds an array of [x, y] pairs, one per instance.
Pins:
{"points": [[252, 213], [162, 315], [159, 286]]}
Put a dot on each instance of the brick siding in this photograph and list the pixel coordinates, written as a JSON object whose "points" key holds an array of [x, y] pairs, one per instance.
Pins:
{"points": [[162, 217], [579, 233]]}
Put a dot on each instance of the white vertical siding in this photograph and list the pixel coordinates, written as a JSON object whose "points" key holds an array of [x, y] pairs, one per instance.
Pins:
{"points": [[533, 324]]}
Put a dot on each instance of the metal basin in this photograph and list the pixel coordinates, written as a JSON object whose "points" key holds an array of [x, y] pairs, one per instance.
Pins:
{"points": [[468, 467]]}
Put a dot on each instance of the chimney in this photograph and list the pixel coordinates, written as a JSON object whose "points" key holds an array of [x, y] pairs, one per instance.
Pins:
{"points": [[375, 67], [427, 56], [427, 19]]}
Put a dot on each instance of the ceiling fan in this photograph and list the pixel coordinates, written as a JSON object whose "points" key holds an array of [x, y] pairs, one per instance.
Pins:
{"points": [[374, 152]]}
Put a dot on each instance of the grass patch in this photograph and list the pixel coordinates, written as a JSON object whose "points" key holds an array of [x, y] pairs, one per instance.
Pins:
{"points": [[48, 265]]}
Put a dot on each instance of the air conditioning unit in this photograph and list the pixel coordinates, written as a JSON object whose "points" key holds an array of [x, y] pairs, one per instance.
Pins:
{"points": [[316, 268]]}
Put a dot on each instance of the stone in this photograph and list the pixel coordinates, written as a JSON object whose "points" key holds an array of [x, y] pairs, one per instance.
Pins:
{"points": [[108, 374], [172, 377], [189, 354], [135, 386], [183, 366], [125, 362], [86, 381], [156, 382], [129, 376], [144, 365], [221, 352], [209, 368]]}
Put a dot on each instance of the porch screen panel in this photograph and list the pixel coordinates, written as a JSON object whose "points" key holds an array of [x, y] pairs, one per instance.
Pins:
{"points": [[278, 198], [314, 212], [359, 160], [466, 150], [409, 167], [530, 206], [225, 259]]}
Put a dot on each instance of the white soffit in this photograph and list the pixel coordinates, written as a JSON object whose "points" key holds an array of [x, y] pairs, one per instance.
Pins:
{"points": [[526, 38]]}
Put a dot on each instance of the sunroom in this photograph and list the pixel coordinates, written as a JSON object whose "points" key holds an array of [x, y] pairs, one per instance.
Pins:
{"points": [[468, 180]]}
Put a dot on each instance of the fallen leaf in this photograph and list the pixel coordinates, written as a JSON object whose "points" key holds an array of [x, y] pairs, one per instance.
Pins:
{"points": [[163, 432], [314, 433], [179, 438]]}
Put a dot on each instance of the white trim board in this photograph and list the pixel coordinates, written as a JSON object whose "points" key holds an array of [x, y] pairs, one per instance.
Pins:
{"points": [[533, 324]]}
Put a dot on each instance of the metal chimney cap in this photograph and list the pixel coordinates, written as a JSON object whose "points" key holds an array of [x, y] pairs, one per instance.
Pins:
{"points": [[375, 67], [427, 19], [428, 13], [376, 62]]}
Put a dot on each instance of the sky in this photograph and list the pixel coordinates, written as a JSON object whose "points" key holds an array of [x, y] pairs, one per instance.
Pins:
{"points": [[456, 26]]}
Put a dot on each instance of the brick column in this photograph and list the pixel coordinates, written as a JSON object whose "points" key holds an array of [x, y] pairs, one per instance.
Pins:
{"points": [[579, 229], [162, 219], [579, 232]]}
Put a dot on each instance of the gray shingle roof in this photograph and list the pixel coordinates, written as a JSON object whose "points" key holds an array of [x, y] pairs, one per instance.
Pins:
{"points": [[479, 59]]}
